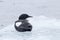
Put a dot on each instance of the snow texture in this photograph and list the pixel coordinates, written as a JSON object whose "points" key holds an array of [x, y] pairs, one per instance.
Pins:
{"points": [[44, 28], [11, 9]]}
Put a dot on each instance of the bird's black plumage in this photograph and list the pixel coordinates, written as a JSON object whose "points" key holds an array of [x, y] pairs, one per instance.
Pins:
{"points": [[25, 25], [24, 16]]}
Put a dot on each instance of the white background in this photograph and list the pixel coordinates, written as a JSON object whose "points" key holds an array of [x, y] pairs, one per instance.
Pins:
{"points": [[11, 9], [45, 21]]}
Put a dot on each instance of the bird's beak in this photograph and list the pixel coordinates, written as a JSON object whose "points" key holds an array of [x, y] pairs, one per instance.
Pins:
{"points": [[30, 16]]}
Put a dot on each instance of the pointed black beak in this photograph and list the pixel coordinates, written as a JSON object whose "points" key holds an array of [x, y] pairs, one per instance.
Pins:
{"points": [[29, 16]]}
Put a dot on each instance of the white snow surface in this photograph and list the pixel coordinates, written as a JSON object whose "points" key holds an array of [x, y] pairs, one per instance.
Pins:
{"points": [[44, 28]]}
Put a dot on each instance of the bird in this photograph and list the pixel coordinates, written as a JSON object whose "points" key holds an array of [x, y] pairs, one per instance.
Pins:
{"points": [[22, 24]]}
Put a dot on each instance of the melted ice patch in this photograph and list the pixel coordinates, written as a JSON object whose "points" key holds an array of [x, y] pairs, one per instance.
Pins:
{"points": [[18, 24]]}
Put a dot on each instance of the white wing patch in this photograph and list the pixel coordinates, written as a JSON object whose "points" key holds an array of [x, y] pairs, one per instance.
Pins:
{"points": [[18, 24]]}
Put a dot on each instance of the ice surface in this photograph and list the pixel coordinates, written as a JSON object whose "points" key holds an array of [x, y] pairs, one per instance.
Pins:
{"points": [[44, 28], [11, 9]]}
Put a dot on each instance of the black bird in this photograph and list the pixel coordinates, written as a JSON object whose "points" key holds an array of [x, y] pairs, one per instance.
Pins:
{"points": [[22, 24]]}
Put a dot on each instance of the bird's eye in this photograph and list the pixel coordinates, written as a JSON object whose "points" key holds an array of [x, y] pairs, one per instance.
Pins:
{"points": [[18, 24]]}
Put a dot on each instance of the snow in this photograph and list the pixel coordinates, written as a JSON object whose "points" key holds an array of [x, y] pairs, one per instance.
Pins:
{"points": [[44, 12], [11, 9], [44, 28]]}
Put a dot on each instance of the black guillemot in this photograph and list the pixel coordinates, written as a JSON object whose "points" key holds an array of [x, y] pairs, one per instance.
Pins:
{"points": [[22, 24]]}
